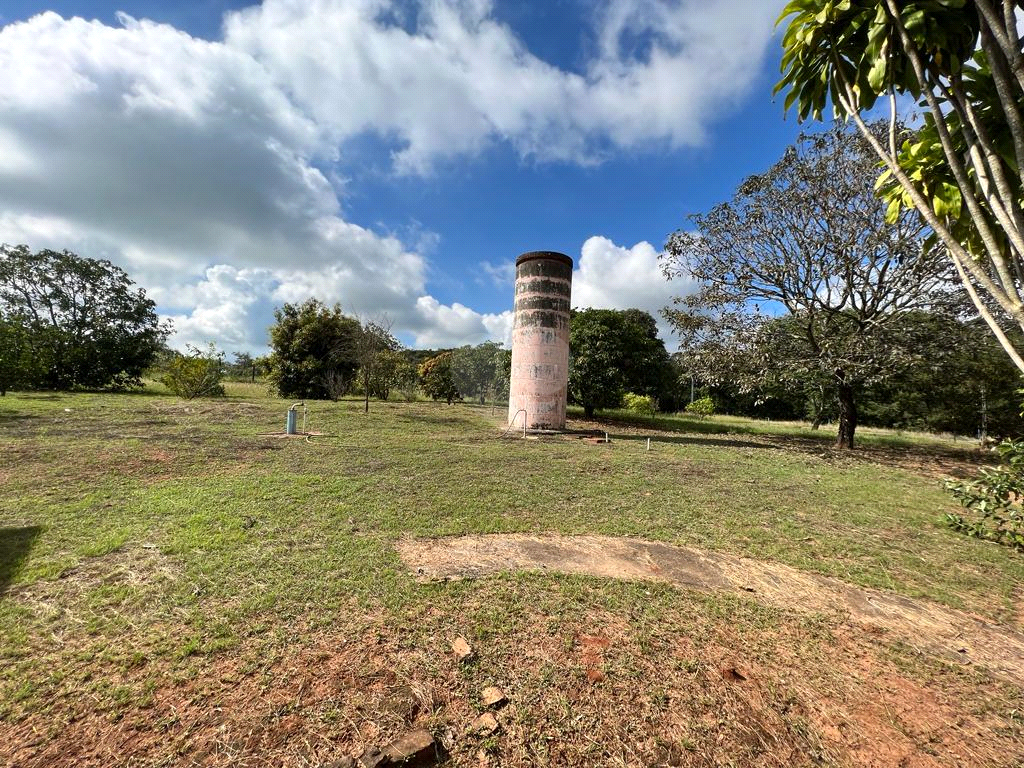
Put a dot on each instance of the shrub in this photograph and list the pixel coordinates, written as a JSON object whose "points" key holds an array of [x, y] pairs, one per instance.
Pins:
{"points": [[994, 498], [701, 408], [641, 405], [197, 374]]}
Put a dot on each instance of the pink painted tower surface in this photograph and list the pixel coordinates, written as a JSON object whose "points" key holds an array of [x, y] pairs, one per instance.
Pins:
{"points": [[540, 341]]}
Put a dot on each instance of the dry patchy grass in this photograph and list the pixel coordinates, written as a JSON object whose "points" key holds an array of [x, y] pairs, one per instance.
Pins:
{"points": [[178, 590]]}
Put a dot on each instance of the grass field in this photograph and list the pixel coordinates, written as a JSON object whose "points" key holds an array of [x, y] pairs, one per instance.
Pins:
{"points": [[180, 587]]}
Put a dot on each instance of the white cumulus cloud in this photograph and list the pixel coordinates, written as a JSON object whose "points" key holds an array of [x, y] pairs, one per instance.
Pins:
{"points": [[610, 276], [209, 169]]}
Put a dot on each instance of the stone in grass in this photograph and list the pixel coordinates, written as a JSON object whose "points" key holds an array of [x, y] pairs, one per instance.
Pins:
{"points": [[485, 724], [493, 696], [462, 650], [372, 758], [413, 748]]}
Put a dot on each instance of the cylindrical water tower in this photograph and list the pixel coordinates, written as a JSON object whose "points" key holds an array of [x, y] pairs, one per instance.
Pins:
{"points": [[540, 341]]}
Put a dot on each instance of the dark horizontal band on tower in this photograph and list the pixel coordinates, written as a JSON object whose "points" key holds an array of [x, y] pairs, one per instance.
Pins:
{"points": [[552, 303], [539, 318], [545, 286], [544, 268]]}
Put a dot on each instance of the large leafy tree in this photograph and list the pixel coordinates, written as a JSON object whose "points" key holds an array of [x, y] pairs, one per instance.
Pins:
{"points": [[808, 238], [479, 371], [69, 321], [313, 353], [962, 61], [612, 352]]}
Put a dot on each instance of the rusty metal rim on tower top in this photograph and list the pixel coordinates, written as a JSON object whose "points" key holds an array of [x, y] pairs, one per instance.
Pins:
{"points": [[545, 255]]}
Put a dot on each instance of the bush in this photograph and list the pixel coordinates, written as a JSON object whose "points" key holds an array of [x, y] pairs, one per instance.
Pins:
{"points": [[197, 374], [641, 405], [994, 498], [701, 408]]}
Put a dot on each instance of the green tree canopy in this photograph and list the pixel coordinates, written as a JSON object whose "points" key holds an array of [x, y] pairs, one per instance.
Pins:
{"points": [[313, 351], [965, 384], [436, 378], [810, 239], [479, 371], [962, 60], [612, 352], [73, 322]]}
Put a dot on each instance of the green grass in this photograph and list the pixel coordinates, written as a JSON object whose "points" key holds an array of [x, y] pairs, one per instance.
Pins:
{"points": [[140, 532]]}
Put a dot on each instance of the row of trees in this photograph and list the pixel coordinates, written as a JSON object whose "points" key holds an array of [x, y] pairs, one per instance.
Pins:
{"points": [[318, 352], [70, 322], [966, 388]]}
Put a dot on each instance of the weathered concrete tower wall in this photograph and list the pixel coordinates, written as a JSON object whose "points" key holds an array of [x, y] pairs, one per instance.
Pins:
{"points": [[540, 340]]}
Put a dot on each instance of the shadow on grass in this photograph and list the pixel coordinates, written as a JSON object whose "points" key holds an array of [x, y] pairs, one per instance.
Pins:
{"points": [[15, 545], [696, 440], [674, 424], [34, 395], [430, 418], [16, 418], [824, 439]]}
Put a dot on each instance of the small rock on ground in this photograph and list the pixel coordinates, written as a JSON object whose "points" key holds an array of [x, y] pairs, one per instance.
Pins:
{"points": [[413, 748], [493, 696], [462, 649], [485, 724]]}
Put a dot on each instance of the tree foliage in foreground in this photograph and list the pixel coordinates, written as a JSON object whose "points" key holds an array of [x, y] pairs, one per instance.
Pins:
{"points": [[68, 321], [313, 351], [808, 238], [962, 172], [993, 499], [612, 352]]}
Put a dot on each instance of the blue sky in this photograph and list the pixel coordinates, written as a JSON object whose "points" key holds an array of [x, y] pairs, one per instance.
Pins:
{"points": [[392, 156]]}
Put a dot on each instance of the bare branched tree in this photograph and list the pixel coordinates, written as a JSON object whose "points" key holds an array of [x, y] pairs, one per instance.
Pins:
{"points": [[963, 61], [807, 239]]}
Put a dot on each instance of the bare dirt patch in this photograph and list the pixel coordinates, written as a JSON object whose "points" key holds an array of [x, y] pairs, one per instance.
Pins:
{"points": [[952, 634], [598, 690]]}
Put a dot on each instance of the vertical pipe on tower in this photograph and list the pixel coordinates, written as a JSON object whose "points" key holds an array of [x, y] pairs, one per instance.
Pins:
{"points": [[540, 340]]}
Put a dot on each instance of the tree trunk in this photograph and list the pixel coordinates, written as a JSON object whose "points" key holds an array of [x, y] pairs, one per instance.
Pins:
{"points": [[588, 411], [819, 408], [847, 411], [366, 408]]}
